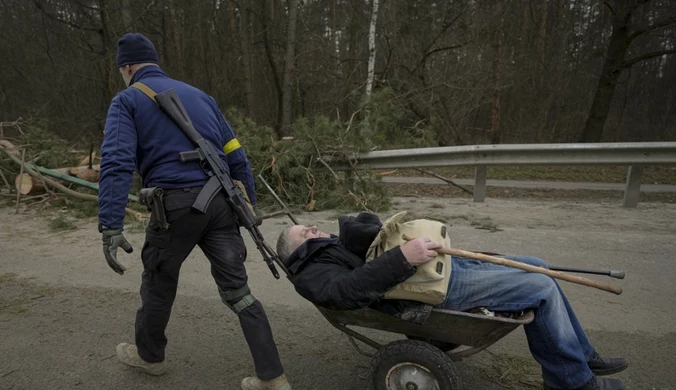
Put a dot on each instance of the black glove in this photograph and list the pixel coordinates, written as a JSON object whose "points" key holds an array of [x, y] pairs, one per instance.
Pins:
{"points": [[112, 239], [259, 215]]}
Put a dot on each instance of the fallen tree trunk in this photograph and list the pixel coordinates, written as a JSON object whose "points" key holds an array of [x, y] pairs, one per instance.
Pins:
{"points": [[29, 185], [72, 179], [30, 169], [83, 172], [88, 160]]}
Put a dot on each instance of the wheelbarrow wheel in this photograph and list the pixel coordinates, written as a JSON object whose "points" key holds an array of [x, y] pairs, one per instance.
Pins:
{"points": [[412, 365]]}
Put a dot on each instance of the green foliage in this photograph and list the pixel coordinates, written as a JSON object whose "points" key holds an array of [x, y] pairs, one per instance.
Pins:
{"points": [[387, 123], [42, 147], [291, 166], [49, 150], [292, 170]]}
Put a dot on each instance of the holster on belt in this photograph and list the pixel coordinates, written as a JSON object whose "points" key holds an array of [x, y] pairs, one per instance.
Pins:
{"points": [[152, 199]]}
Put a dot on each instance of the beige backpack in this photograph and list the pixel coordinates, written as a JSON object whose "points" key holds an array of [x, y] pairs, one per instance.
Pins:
{"points": [[430, 282]]}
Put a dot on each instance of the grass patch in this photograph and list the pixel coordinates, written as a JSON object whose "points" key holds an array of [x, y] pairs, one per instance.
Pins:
{"points": [[513, 372], [459, 216], [485, 224], [8, 277], [61, 223], [17, 295]]}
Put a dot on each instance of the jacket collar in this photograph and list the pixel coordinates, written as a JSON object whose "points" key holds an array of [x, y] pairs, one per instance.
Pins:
{"points": [[306, 250], [148, 71]]}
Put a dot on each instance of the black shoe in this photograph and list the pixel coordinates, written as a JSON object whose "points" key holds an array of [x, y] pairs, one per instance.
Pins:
{"points": [[597, 383], [606, 366]]}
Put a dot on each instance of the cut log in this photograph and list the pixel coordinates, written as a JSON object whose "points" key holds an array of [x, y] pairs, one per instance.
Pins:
{"points": [[85, 161], [30, 185], [93, 175]]}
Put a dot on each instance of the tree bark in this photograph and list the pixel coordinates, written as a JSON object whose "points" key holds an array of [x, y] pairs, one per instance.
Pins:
{"points": [[610, 73], [372, 50], [495, 106], [287, 94], [177, 40], [334, 41], [543, 31], [245, 46], [127, 20], [273, 69], [350, 59]]}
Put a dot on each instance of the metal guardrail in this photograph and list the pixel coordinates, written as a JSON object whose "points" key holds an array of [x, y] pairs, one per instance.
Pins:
{"points": [[634, 154]]}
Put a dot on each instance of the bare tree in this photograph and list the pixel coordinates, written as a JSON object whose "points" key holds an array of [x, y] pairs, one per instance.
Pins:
{"points": [[287, 98], [372, 49], [246, 52], [615, 60]]}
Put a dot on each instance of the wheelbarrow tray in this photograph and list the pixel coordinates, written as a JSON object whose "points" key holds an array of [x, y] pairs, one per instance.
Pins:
{"points": [[468, 333]]}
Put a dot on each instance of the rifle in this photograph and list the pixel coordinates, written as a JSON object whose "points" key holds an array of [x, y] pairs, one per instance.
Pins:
{"points": [[212, 165]]}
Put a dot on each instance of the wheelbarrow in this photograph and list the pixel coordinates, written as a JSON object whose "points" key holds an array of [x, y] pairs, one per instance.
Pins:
{"points": [[424, 359]]}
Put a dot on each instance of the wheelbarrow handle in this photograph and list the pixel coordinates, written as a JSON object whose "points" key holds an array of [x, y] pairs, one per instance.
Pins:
{"points": [[527, 267]]}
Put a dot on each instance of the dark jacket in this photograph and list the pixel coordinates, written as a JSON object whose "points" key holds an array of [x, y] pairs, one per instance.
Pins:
{"points": [[332, 272], [139, 136]]}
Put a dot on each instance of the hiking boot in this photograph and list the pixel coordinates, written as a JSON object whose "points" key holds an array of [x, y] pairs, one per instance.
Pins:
{"points": [[606, 366], [597, 383], [128, 355], [253, 383]]}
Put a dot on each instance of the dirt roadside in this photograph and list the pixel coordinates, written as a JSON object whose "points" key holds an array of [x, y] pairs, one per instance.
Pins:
{"points": [[62, 311]]}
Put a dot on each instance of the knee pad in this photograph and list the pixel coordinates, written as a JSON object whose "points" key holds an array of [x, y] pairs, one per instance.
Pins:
{"points": [[237, 300]]}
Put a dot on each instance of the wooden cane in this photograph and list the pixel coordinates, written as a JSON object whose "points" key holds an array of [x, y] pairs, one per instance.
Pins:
{"points": [[526, 267]]}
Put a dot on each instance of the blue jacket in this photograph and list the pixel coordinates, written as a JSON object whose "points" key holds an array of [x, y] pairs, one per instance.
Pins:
{"points": [[139, 136]]}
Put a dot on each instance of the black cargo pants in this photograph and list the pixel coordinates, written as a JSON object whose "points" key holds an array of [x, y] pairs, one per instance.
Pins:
{"points": [[218, 235]]}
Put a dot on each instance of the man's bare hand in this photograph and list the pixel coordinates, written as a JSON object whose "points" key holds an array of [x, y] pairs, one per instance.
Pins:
{"points": [[420, 250]]}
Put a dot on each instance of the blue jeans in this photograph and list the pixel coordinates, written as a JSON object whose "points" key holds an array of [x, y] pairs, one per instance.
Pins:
{"points": [[555, 337]]}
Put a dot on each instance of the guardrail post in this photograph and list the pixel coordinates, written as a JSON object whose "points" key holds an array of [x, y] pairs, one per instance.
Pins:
{"points": [[632, 191], [480, 183]]}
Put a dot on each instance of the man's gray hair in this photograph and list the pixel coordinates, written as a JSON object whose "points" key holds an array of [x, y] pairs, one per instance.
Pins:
{"points": [[285, 246]]}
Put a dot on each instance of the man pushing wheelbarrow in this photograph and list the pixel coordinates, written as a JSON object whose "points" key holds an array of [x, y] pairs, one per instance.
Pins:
{"points": [[386, 268]]}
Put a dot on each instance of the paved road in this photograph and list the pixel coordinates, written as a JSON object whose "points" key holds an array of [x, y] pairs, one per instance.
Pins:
{"points": [[557, 185], [62, 311]]}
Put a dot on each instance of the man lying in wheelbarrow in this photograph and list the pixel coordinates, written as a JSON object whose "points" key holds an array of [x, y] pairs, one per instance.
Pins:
{"points": [[331, 271]]}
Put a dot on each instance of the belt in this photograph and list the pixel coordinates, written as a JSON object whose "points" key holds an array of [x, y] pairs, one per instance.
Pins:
{"points": [[205, 194], [192, 190]]}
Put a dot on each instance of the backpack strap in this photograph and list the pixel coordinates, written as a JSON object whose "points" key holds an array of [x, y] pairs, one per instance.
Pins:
{"points": [[146, 90]]}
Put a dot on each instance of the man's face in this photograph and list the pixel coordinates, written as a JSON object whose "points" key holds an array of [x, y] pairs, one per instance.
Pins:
{"points": [[300, 233]]}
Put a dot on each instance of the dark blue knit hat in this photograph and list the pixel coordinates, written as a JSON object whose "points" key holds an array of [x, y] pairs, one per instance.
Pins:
{"points": [[135, 48]]}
